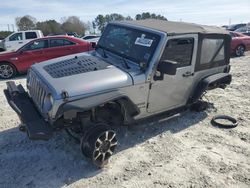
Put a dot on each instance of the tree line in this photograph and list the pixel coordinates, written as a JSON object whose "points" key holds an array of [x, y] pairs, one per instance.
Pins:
{"points": [[74, 24]]}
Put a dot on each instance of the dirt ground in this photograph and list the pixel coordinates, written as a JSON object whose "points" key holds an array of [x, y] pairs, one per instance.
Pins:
{"points": [[186, 151]]}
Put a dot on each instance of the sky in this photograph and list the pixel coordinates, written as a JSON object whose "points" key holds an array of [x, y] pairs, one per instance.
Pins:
{"points": [[209, 12]]}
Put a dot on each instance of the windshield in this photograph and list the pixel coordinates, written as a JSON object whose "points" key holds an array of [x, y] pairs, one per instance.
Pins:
{"points": [[133, 44]]}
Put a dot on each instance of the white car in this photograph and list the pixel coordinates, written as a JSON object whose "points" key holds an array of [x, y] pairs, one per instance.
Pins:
{"points": [[91, 38], [18, 39]]}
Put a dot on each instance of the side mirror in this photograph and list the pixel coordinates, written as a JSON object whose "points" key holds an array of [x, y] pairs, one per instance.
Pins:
{"points": [[167, 67]]}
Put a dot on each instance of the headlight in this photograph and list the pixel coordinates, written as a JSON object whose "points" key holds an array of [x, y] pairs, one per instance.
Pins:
{"points": [[51, 99], [48, 102]]}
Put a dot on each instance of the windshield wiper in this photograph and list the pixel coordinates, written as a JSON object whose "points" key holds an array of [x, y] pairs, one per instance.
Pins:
{"points": [[125, 63], [104, 55]]}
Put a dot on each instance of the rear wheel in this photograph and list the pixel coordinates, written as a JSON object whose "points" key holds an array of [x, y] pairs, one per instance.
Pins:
{"points": [[239, 51], [98, 143], [7, 70]]}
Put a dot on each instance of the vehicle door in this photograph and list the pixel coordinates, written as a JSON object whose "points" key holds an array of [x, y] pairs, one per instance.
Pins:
{"points": [[32, 53], [15, 41], [171, 91], [60, 47]]}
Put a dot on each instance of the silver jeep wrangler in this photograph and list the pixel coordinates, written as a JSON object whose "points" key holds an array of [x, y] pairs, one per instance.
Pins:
{"points": [[139, 69]]}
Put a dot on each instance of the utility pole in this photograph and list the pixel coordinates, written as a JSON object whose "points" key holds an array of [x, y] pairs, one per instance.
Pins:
{"points": [[8, 27]]}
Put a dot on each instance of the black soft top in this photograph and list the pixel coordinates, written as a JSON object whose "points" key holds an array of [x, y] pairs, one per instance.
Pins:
{"points": [[172, 28]]}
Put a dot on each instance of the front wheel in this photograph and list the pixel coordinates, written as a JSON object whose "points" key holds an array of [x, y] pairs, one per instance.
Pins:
{"points": [[239, 51], [7, 71], [99, 143]]}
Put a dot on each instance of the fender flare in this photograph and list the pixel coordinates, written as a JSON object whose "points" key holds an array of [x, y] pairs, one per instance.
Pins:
{"points": [[219, 80], [71, 108]]}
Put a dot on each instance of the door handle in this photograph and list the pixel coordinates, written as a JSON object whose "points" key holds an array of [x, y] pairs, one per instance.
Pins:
{"points": [[187, 74], [20, 42]]}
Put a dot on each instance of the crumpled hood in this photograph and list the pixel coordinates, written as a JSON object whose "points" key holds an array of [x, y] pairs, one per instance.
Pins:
{"points": [[81, 74]]}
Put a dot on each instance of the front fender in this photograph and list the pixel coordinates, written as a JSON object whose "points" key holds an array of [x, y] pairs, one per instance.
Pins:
{"points": [[71, 108]]}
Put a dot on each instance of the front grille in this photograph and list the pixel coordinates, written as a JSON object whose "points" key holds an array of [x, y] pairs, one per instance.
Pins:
{"points": [[36, 91]]}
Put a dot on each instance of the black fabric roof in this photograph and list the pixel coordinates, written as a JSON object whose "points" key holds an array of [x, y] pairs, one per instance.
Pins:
{"points": [[176, 27]]}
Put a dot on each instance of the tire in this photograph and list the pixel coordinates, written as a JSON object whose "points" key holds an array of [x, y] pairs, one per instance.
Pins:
{"points": [[99, 143], [239, 50], [233, 122], [2, 50], [7, 71]]}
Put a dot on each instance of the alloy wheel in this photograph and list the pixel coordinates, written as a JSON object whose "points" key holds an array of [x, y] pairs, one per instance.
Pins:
{"points": [[104, 147], [6, 71], [239, 50]]}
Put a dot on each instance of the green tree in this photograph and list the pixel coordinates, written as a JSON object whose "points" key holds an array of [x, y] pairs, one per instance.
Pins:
{"points": [[147, 15], [4, 34], [25, 23], [101, 20], [49, 27], [74, 24]]}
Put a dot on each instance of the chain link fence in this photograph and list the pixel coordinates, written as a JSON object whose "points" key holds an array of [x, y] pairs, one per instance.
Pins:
{"points": [[7, 27]]}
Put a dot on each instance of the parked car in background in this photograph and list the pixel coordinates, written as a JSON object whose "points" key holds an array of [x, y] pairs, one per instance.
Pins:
{"points": [[39, 50], [91, 38], [18, 39], [56, 34], [235, 26], [239, 44], [244, 30], [73, 34], [1, 38], [88, 37], [225, 26]]}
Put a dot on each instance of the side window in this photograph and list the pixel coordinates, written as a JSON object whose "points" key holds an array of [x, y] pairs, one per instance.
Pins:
{"points": [[17, 36], [179, 50], [56, 42], [36, 45], [212, 50], [67, 43], [30, 35]]}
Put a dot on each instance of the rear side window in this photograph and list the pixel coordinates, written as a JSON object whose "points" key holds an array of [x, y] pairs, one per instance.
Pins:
{"points": [[30, 35], [60, 42], [67, 42], [56, 42], [17, 36], [212, 50], [180, 51]]}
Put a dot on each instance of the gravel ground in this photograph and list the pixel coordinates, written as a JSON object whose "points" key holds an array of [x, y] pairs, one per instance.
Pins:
{"points": [[185, 151]]}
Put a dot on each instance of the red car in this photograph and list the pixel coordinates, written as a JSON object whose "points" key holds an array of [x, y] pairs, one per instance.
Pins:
{"points": [[39, 50], [240, 43]]}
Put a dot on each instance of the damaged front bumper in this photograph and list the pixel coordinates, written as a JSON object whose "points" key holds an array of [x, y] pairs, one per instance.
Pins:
{"points": [[37, 128]]}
